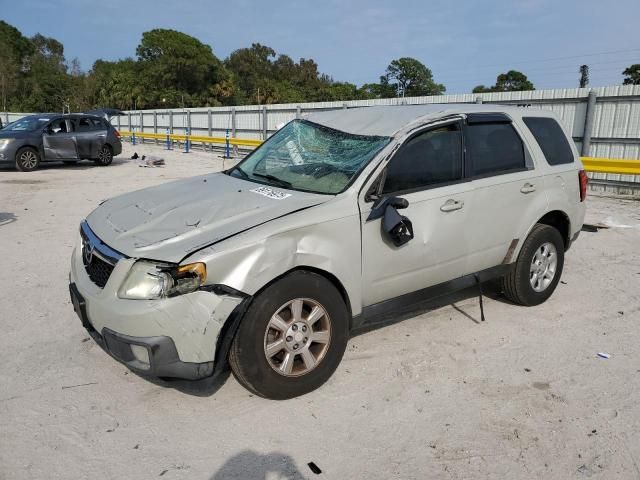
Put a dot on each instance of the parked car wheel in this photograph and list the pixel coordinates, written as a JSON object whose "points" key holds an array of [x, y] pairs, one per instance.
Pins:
{"points": [[536, 273], [105, 156], [27, 159], [291, 338]]}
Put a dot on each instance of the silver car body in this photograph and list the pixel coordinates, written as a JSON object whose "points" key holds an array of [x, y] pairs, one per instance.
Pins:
{"points": [[250, 234]]}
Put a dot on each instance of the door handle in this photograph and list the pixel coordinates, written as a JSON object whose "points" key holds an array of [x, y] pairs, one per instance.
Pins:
{"points": [[451, 205], [528, 188]]}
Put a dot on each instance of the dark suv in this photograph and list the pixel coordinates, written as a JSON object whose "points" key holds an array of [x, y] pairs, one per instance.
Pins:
{"points": [[56, 137]]}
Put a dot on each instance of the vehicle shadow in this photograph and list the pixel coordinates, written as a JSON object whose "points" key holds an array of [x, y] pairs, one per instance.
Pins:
{"points": [[490, 289], [81, 165], [205, 387], [7, 218], [251, 465]]}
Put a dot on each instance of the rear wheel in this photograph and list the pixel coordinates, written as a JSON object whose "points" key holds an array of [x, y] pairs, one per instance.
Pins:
{"points": [[536, 273], [292, 337], [27, 159], [105, 156]]}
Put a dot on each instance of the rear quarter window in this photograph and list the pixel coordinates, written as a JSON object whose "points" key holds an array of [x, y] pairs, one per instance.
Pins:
{"points": [[551, 139]]}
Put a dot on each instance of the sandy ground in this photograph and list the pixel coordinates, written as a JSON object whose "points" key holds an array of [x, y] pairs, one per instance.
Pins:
{"points": [[439, 395]]}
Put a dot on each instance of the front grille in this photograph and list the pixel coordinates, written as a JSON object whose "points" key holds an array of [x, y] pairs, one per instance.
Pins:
{"points": [[99, 259], [98, 270]]}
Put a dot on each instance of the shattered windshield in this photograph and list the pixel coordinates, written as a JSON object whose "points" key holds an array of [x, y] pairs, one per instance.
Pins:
{"points": [[310, 157]]}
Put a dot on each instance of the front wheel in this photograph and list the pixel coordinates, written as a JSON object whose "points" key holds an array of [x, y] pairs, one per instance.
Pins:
{"points": [[27, 159], [536, 273], [105, 156], [292, 337]]}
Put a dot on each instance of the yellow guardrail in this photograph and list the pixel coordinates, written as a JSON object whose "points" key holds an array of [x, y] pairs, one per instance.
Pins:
{"points": [[591, 164], [241, 142], [611, 165]]}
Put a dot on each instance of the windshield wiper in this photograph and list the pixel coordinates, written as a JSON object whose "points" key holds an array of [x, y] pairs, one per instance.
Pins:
{"points": [[273, 178]]}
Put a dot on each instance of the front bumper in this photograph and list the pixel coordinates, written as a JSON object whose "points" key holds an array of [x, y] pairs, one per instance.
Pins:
{"points": [[172, 337]]}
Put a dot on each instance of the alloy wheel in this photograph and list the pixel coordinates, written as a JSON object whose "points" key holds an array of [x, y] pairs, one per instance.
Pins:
{"points": [[297, 337], [543, 267]]}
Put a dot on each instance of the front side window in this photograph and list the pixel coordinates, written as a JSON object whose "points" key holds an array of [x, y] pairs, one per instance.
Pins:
{"points": [[494, 148], [59, 125], [552, 140], [429, 158], [310, 157]]}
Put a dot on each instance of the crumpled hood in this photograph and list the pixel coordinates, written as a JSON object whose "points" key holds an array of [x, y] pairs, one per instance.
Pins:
{"points": [[172, 220]]}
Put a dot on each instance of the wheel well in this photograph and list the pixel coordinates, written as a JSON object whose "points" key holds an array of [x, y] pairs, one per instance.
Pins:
{"points": [[32, 147], [229, 329], [560, 221]]}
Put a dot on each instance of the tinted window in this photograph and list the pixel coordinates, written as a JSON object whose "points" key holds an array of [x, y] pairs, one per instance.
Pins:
{"points": [[89, 124], [552, 140], [429, 158], [494, 148]]}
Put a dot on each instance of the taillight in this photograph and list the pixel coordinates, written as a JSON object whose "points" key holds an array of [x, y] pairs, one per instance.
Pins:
{"points": [[584, 180], [118, 134]]}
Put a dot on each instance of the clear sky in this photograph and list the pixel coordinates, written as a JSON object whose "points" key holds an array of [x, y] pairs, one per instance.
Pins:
{"points": [[464, 42]]}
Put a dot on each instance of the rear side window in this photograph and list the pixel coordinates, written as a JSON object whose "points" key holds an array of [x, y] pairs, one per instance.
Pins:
{"points": [[430, 158], [89, 124], [494, 148], [552, 140]]}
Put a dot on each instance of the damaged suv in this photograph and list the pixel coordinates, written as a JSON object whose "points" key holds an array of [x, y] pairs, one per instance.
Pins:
{"points": [[325, 230]]}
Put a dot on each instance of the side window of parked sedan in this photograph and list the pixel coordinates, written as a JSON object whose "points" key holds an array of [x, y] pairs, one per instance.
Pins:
{"points": [[430, 158]]}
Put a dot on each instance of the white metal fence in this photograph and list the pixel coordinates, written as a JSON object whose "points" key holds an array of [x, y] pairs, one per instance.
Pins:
{"points": [[605, 123]]}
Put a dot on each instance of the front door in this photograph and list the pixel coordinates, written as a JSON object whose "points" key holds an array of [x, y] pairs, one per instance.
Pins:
{"points": [[427, 171], [59, 141]]}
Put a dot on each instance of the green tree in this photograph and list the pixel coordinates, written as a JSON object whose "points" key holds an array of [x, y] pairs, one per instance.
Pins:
{"points": [[45, 85], [512, 81], [178, 66], [482, 89], [14, 49], [412, 78], [632, 75]]}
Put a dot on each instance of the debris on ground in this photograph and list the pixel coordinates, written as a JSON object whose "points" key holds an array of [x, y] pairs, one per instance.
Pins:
{"points": [[604, 355], [152, 161], [134, 156], [314, 468]]}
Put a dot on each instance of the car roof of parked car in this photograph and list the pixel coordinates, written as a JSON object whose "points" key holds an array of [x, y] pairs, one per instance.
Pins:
{"points": [[387, 120]]}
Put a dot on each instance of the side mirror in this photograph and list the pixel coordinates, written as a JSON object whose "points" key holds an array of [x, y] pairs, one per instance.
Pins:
{"points": [[395, 227]]}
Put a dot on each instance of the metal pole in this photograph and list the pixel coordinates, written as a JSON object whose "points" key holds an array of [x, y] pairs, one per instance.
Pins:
{"points": [[298, 111], [233, 122], [209, 123], [155, 124], [168, 147], [171, 121], [129, 120], [588, 123], [264, 122]]}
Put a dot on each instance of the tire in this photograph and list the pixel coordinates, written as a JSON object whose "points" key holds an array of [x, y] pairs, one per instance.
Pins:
{"points": [[283, 372], [535, 275], [27, 159], [105, 156]]}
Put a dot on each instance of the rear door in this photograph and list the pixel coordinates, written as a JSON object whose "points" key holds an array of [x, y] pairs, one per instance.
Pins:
{"points": [[91, 134], [427, 171], [59, 140], [508, 190]]}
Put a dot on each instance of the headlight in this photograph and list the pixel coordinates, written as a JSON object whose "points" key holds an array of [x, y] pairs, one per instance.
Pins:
{"points": [[4, 142], [148, 281]]}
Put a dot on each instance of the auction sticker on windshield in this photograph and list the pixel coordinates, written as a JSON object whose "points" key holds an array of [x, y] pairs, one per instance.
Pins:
{"points": [[271, 193]]}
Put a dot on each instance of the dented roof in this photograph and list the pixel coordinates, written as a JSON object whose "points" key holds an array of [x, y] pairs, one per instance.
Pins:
{"points": [[387, 120]]}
